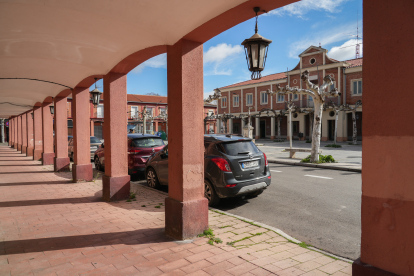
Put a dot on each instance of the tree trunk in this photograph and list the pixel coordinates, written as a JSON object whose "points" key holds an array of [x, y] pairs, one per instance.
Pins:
{"points": [[290, 127], [336, 126], [145, 125], [316, 135], [354, 135]]}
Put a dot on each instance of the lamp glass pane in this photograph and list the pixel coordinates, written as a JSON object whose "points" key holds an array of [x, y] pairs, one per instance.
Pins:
{"points": [[255, 53], [248, 53], [262, 55]]}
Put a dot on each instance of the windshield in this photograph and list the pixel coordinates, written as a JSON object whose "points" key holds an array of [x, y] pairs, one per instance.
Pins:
{"points": [[95, 140], [238, 148], [147, 142]]}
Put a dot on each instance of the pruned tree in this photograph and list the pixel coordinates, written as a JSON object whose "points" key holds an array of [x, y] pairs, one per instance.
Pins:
{"points": [[347, 107], [318, 94], [164, 116], [216, 96], [249, 120], [290, 106]]}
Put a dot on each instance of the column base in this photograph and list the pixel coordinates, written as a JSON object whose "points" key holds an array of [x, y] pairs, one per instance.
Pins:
{"points": [[29, 151], [324, 139], [19, 147], [185, 220], [24, 149], [361, 269], [116, 187], [272, 137], [82, 172], [37, 154], [61, 164], [256, 137], [47, 158]]}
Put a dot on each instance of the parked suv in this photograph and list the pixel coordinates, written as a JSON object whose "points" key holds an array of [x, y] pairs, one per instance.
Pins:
{"points": [[94, 145], [233, 166], [140, 147]]}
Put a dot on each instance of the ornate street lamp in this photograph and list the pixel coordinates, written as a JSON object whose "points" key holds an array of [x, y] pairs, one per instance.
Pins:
{"points": [[256, 51], [96, 95], [52, 108]]}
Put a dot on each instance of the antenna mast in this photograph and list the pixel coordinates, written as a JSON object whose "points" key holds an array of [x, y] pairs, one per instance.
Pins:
{"points": [[357, 45]]}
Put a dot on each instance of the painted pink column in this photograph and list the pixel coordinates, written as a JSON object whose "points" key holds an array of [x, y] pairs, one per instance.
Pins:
{"points": [[92, 128], [24, 133], [47, 134], [16, 135], [19, 133], [11, 131], [37, 133], [116, 181], [30, 136], [61, 160], [186, 208], [82, 167]]}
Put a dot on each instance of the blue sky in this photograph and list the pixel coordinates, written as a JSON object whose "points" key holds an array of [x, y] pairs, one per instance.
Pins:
{"points": [[292, 28]]}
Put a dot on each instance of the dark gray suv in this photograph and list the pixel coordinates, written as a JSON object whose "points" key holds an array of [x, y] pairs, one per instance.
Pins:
{"points": [[233, 166]]}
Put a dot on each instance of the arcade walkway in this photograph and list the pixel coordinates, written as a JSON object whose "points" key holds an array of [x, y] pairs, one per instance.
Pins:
{"points": [[51, 226]]}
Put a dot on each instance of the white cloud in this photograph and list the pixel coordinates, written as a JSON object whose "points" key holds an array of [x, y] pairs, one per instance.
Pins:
{"points": [[159, 61], [326, 37], [300, 8], [345, 51], [220, 57]]}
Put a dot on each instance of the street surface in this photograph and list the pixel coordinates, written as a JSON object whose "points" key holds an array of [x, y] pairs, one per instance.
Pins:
{"points": [[317, 206]]}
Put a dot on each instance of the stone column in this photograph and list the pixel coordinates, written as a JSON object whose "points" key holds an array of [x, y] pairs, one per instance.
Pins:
{"points": [[230, 130], [10, 133], [302, 124], [37, 133], [2, 130], [92, 133], [116, 181], [19, 133], [257, 128], [186, 208], [218, 126], [272, 128], [15, 133], [24, 133], [82, 167], [47, 134], [30, 137], [61, 160]]}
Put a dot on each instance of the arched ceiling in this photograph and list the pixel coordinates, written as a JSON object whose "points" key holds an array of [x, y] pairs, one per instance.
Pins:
{"points": [[67, 41]]}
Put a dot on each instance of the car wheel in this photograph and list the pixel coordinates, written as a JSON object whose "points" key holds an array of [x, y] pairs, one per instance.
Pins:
{"points": [[210, 194], [98, 164], [152, 179]]}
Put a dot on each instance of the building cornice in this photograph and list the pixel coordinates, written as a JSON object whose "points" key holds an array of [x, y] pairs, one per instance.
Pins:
{"points": [[353, 69]]}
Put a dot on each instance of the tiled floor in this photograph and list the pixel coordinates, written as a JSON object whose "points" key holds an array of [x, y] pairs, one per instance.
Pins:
{"points": [[51, 226]]}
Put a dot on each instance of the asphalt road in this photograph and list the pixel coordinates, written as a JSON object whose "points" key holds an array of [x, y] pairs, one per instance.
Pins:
{"points": [[317, 206]]}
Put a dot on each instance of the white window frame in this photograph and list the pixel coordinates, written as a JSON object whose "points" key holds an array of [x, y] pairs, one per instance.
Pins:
{"points": [[277, 98], [152, 110], [224, 100], [238, 101], [261, 98], [247, 99], [352, 87], [97, 111], [295, 95], [136, 112]]}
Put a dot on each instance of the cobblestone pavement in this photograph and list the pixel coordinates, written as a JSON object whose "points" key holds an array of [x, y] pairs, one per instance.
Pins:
{"points": [[348, 156], [51, 226]]}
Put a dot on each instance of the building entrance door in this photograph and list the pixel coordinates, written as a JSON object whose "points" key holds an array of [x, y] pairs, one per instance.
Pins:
{"points": [[236, 128], [262, 129], [331, 130]]}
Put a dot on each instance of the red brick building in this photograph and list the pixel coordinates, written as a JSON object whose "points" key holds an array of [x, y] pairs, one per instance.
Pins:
{"points": [[135, 104], [238, 98]]}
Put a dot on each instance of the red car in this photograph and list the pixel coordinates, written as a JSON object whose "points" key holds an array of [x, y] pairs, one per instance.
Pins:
{"points": [[140, 147]]}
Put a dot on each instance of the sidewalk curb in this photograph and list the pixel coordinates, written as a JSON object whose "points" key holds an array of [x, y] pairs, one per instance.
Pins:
{"points": [[265, 226], [315, 166]]}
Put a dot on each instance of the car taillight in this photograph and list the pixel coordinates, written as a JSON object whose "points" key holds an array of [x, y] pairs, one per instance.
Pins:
{"points": [[222, 164], [133, 151], [266, 163], [231, 185]]}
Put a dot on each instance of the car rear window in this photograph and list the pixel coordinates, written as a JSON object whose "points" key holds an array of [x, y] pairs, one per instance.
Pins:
{"points": [[238, 148], [147, 142], [95, 140]]}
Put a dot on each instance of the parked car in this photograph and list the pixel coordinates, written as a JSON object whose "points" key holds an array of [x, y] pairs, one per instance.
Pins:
{"points": [[94, 144], [233, 166], [140, 147]]}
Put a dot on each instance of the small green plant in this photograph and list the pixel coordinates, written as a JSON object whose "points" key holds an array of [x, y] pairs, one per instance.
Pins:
{"points": [[160, 204], [128, 200], [132, 195], [304, 245], [158, 207], [221, 227], [134, 199], [143, 206], [278, 140], [245, 238], [352, 144], [308, 141], [322, 159], [211, 237], [333, 146]]}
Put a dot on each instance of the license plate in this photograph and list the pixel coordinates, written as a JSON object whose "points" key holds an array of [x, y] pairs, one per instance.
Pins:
{"points": [[251, 164], [94, 148]]}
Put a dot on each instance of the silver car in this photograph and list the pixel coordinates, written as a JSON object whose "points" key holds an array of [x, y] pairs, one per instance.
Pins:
{"points": [[95, 143]]}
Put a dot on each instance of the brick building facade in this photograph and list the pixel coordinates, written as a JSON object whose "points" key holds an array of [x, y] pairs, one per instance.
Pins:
{"points": [[238, 98], [135, 103]]}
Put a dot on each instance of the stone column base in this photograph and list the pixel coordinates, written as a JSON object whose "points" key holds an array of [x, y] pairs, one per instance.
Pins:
{"points": [[185, 220], [272, 137], [361, 269], [82, 172], [19, 147], [24, 149], [61, 164], [29, 151], [47, 158], [115, 187], [37, 154], [256, 137]]}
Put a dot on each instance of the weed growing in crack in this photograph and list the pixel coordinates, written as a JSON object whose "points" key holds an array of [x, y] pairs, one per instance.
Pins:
{"points": [[211, 237]]}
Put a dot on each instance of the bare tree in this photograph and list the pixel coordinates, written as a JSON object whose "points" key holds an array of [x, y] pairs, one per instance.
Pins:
{"points": [[290, 106], [347, 107], [249, 122], [318, 94], [164, 116], [216, 96]]}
